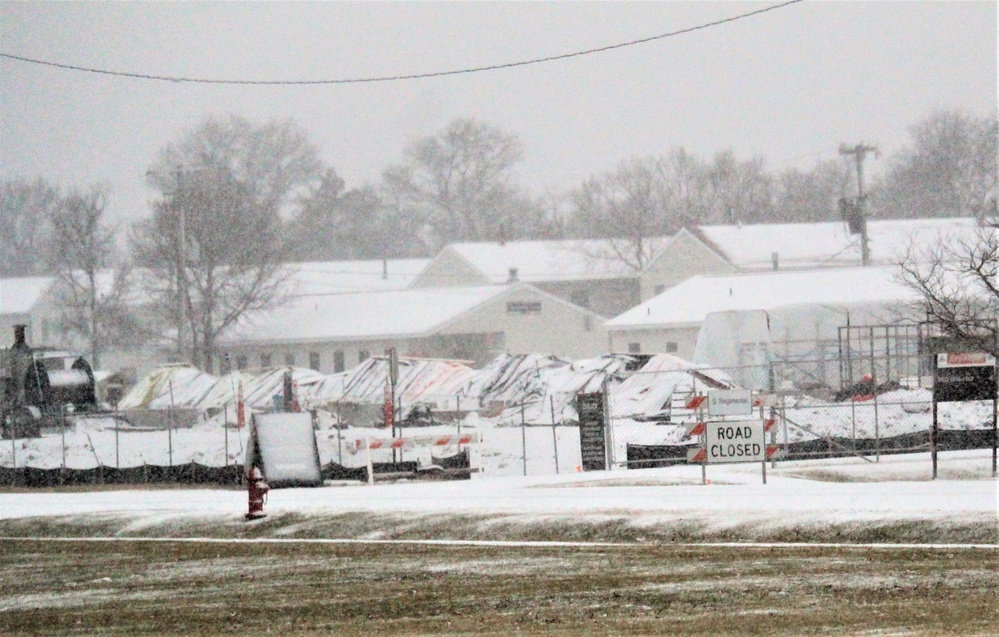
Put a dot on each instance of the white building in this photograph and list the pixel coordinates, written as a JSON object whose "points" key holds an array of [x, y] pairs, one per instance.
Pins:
{"points": [[333, 332], [21, 299], [672, 321]]}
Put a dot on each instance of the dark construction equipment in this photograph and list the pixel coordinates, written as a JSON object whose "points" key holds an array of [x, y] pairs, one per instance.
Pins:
{"points": [[38, 385]]}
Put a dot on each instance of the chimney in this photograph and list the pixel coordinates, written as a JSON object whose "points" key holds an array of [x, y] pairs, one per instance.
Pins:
{"points": [[775, 259], [513, 276], [19, 341]]}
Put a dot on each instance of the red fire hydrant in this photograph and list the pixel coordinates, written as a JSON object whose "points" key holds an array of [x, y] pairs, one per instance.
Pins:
{"points": [[257, 489]]}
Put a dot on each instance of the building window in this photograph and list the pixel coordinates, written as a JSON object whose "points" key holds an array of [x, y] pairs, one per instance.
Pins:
{"points": [[363, 355], [314, 360], [241, 361], [265, 360], [659, 289], [289, 359], [671, 347], [580, 298], [523, 307], [338, 362], [634, 348]]}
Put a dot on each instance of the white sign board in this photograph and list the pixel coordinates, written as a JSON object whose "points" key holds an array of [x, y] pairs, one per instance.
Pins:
{"points": [[730, 402], [736, 441]]}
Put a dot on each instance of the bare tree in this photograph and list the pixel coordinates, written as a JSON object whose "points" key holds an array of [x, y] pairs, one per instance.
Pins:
{"points": [[958, 280], [92, 282], [627, 207], [460, 181], [812, 195], [214, 244], [951, 170], [360, 223], [688, 194], [741, 191], [26, 209]]}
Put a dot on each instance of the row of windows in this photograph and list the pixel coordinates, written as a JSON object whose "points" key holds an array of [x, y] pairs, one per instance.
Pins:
{"points": [[315, 359], [636, 348]]}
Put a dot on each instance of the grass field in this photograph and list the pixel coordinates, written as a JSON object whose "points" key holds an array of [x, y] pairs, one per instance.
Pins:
{"points": [[184, 588]]}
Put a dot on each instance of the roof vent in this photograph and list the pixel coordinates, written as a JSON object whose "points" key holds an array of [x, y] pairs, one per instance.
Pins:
{"points": [[775, 259], [513, 276]]}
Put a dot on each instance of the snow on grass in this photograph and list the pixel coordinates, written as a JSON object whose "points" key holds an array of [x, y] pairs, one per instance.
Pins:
{"points": [[665, 502]]}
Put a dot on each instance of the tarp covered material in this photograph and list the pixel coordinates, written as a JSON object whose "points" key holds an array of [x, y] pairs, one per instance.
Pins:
{"points": [[168, 386], [746, 342], [284, 446], [198, 390], [260, 390], [559, 386], [509, 377], [662, 386], [429, 382], [225, 390]]}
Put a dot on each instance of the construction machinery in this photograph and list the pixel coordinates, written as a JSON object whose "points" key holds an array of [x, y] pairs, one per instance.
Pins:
{"points": [[40, 387]]}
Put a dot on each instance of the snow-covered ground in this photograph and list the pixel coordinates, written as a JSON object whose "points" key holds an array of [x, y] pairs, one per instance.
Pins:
{"points": [[801, 493]]}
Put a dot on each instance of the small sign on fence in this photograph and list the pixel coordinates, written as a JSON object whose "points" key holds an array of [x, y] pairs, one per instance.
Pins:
{"points": [[730, 402], [965, 376]]}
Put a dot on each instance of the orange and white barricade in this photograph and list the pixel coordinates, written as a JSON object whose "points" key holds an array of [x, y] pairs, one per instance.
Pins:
{"points": [[412, 442]]}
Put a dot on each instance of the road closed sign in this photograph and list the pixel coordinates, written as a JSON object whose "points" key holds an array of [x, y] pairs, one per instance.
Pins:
{"points": [[735, 441]]}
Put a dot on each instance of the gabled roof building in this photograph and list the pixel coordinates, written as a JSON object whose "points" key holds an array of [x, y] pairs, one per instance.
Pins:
{"points": [[333, 332], [599, 275]]}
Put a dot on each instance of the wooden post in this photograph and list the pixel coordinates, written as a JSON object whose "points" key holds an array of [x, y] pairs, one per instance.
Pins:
{"points": [[551, 402]]}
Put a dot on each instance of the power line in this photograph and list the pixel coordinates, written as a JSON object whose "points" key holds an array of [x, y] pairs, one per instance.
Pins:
{"points": [[394, 78]]}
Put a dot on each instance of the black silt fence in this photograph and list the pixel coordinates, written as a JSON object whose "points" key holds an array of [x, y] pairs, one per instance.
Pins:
{"points": [[192, 473], [649, 456]]}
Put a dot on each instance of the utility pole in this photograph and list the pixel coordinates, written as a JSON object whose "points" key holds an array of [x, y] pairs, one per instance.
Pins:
{"points": [[183, 299], [859, 152]]}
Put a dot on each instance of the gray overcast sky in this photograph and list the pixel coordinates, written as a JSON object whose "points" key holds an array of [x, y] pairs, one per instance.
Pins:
{"points": [[789, 85]]}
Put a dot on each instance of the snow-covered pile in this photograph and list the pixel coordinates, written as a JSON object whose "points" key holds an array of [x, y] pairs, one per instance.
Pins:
{"points": [[168, 386]]}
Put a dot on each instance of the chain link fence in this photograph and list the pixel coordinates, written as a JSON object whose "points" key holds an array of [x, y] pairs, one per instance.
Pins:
{"points": [[877, 405]]}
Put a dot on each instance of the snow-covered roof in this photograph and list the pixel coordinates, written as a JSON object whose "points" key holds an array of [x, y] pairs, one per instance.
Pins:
{"points": [[810, 245], [328, 277], [19, 295], [365, 315], [551, 260], [691, 301]]}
